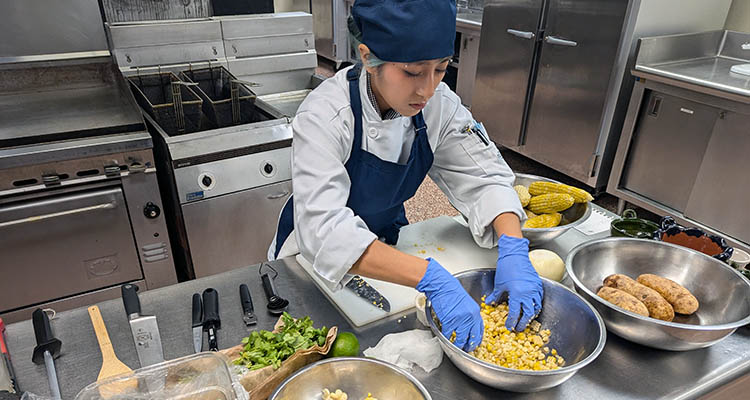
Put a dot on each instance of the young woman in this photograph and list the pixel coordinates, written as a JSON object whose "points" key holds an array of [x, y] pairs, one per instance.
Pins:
{"points": [[365, 139]]}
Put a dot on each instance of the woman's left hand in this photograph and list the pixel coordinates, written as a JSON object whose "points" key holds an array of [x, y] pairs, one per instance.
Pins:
{"points": [[516, 276]]}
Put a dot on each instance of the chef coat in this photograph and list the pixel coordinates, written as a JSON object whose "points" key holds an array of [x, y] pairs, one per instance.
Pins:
{"points": [[467, 168]]}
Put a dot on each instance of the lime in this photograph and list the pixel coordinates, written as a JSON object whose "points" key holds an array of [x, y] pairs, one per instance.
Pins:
{"points": [[345, 345]]}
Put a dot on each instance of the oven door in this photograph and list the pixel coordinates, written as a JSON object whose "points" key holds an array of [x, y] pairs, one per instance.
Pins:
{"points": [[63, 245]]}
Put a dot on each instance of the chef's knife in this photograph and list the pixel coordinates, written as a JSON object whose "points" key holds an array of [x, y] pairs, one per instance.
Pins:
{"points": [[248, 313], [211, 320], [197, 323], [369, 293], [143, 327]]}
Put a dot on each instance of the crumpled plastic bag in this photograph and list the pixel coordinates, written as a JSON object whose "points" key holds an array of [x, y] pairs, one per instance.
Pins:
{"points": [[408, 349]]}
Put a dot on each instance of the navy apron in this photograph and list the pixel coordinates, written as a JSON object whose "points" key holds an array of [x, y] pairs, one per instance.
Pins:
{"points": [[378, 188]]}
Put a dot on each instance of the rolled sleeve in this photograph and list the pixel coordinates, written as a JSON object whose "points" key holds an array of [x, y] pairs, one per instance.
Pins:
{"points": [[327, 231], [475, 177]]}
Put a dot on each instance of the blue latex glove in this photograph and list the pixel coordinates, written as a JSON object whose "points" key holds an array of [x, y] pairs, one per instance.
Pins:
{"points": [[457, 311], [516, 276]]}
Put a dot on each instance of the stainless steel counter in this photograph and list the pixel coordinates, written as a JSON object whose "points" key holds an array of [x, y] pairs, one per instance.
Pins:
{"points": [[623, 371], [702, 59]]}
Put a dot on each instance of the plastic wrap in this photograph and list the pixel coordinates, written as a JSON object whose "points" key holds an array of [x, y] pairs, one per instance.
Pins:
{"points": [[202, 376]]}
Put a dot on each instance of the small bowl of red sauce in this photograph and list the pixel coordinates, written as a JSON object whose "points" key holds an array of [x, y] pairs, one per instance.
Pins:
{"points": [[697, 239]]}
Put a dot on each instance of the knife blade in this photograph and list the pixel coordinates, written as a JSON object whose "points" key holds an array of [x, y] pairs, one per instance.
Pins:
{"points": [[248, 313], [211, 320], [143, 327], [197, 323], [369, 293]]}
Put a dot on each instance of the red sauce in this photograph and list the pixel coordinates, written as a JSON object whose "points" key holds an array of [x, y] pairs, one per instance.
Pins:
{"points": [[701, 243]]}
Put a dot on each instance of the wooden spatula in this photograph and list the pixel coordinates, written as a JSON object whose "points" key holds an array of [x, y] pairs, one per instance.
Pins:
{"points": [[111, 365]]}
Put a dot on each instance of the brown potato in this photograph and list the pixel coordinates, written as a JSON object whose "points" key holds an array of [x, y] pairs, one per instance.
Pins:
{"points": [[680, 298], [657, 307], [623, 300]]}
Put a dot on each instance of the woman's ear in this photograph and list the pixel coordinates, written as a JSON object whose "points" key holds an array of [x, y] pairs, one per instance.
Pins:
{"points": [[364, 54]]}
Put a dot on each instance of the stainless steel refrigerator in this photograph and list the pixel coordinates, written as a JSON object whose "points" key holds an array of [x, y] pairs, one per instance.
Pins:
{"points": [[548, 80]]}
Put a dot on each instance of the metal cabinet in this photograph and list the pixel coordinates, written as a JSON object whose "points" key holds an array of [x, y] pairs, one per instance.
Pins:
{"points": [[547, 83], [507, 55], [234, 230], [576, 62], [667, 148], [721, 192]]}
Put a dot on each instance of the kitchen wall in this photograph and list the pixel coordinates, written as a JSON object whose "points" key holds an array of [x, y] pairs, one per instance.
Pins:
{"points": [[739, 16], [664, 17]]}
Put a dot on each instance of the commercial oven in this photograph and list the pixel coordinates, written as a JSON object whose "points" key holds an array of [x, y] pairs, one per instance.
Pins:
{"points": [[80, 209]]}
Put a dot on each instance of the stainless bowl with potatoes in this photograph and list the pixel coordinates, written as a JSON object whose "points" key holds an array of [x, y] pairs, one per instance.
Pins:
{"points": [[571, 217], [722, 293]]}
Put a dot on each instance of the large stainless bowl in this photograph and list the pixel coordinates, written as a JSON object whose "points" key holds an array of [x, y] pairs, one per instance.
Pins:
{"points": [[572, 217], [355, 376], [723, 293], [578, 334]]}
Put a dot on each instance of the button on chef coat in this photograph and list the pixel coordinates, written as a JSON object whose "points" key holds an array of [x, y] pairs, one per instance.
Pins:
{"points": [[474, 177]]}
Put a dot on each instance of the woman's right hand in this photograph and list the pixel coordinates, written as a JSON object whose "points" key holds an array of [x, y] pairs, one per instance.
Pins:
{"points": [[457, 311]]}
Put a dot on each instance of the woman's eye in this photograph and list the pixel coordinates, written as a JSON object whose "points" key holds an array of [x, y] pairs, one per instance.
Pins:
{"points": [[411, 74], [441, 71]]}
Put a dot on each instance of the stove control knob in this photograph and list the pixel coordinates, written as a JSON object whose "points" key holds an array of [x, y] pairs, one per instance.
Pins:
{"points": [[207, 181], [151, 210]]}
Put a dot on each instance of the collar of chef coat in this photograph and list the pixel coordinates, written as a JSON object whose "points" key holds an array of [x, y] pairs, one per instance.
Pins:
{"points": [[368, 109]]}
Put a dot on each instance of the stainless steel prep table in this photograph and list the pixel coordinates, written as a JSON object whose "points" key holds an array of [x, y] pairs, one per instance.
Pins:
{"points": [[623, 370]]}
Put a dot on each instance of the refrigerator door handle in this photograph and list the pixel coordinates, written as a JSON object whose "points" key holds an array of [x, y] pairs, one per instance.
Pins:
{"points": [[560, 42], [521, 34]]}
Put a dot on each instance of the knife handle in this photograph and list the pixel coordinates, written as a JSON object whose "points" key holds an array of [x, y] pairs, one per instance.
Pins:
{"points": [[197, 310], [211, 308], [130, 299], [246, 299], [45, 341]]}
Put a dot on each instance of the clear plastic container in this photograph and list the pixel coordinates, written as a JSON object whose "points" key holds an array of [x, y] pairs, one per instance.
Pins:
{"points": [[202, 376]]}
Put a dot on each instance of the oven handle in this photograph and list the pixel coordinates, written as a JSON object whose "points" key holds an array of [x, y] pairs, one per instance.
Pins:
{"points": [[277, 195], [104, 206]]}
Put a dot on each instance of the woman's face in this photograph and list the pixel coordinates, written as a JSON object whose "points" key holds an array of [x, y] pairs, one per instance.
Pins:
{"points": [[407, 87]]}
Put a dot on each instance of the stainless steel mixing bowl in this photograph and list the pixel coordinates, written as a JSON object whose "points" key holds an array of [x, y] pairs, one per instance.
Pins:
{"points": [[355, 376], [572, 217], [578, 335], [723, 293]]}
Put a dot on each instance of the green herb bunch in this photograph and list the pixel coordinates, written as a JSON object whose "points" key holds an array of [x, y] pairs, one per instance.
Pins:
{"points": [[264, 348]]}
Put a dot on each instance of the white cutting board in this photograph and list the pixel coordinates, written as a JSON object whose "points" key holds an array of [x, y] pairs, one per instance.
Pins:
{"points": [[442, 238]]}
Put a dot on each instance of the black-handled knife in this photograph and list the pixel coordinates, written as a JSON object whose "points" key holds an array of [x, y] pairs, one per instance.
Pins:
{"points": [[144, 328], [248, 312], [197, 323], [211, 320], [130, 300]]}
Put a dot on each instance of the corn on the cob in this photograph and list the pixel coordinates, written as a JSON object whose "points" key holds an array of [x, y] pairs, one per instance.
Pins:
{"points": [[579, 195], [523, 194], [529, 214], [550, 203], [544, 221]]}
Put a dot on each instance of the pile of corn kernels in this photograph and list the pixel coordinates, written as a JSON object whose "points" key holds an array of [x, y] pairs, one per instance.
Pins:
{"points": [[525, 350]]}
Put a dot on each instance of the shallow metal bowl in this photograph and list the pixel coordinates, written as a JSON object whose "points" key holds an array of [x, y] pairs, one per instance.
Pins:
{"points": [[723, 293], [355, 376], [578, 334], [571, 217]]}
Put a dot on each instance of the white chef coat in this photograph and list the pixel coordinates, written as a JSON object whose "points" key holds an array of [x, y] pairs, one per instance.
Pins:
{"points": [[472, 174]]}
